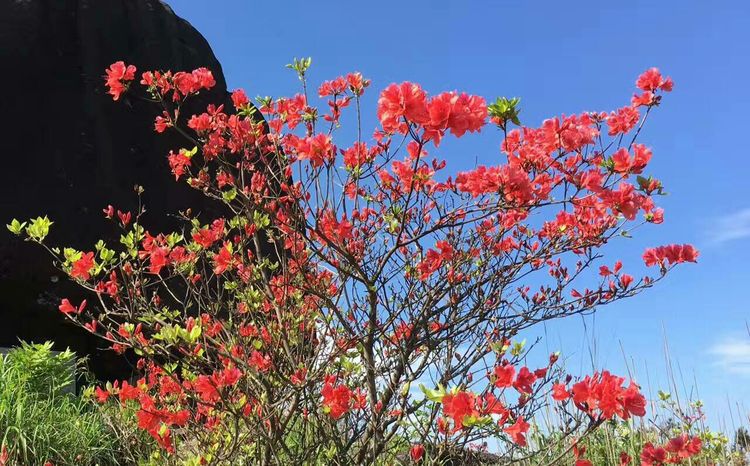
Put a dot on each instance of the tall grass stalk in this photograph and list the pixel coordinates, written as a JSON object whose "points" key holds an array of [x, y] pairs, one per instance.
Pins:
{"points": [[41, 419]]}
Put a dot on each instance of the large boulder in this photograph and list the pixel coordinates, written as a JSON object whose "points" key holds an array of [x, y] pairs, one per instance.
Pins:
{"points": [[69, 150]]}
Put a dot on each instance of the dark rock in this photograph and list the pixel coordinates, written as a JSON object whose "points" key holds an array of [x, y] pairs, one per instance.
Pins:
{"points": [[68, 150]]}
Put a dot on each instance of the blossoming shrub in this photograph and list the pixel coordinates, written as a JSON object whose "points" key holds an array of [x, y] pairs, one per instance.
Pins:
{"points": [[358, 300]]}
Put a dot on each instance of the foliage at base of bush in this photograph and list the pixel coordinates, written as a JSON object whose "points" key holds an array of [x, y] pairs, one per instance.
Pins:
{"points": [[40, 422]]}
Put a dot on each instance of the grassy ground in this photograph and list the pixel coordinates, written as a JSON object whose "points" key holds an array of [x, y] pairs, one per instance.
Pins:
{"points": [[41, 420]]}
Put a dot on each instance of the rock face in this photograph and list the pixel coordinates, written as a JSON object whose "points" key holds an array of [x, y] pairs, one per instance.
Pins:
{"points": [[68, 150]]}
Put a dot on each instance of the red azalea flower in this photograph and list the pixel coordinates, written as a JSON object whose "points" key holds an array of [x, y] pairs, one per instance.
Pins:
{"points": [[651, 80], [524, 381], [398, 101], [504, 375], [416, 452], [179, 163], [67, 308], [118, 77], [517, 431], [458, 406], [559, 392], [337, 398], [672, 254], [82, 267]]}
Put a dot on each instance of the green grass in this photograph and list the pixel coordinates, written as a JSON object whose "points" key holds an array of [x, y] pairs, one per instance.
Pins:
{"points": [[41, 420]]}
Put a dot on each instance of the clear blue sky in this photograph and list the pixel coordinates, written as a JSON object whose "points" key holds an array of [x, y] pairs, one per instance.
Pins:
{"points": [[564, 57]]}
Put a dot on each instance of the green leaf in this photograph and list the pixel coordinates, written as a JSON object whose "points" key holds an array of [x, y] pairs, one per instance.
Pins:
{"points": [[189, 153], [39, 228], [127, 240], [230, 195], [505, 110], [433, 395], [174, 238], [16, 227], [71, 255], [300, 65], [517, 348], [264, 101], [195, 333], [247, 111], [471, 421], [106, 255], [261, 220]]}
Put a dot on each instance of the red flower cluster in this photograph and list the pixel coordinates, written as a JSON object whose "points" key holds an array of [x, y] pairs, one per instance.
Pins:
{"points": [[434, 259], [560, 392], [82, 267], [181, 84], [510, 180], [190, 83], [622, 121], [671, 255], [353, 82], [157, 421], [407, 102], [650, 82], [207, 236], [402, 101], [517, 431], [504, 375], [675, 451], [458, 406], [625, 164], [462, 407], [338, 89], [179, 163], [359, 154], [459, 113], [603, 396], [288, 110], [318, 149], [337, 398], [118, 77]]}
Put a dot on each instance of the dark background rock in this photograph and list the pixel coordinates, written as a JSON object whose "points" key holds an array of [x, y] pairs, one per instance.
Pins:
{"points": [[69, 150]]}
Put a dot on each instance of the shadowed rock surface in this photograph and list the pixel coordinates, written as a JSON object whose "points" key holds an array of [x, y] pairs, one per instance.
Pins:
{"points": [[69, 150]]}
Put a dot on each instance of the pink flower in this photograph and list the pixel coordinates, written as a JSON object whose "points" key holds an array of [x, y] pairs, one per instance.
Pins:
{"points": [[651, 80], [399, 101], [118, 77], [517, 431]]}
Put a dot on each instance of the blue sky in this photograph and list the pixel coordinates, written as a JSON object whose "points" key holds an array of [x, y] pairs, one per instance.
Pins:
{"points": [[564, 57]]}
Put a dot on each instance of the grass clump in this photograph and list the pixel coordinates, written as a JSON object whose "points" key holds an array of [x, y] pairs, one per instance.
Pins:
{"points": [[41, 418]]}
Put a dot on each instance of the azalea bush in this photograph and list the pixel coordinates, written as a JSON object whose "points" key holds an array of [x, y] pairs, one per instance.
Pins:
{"points": [[358, 302]]}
